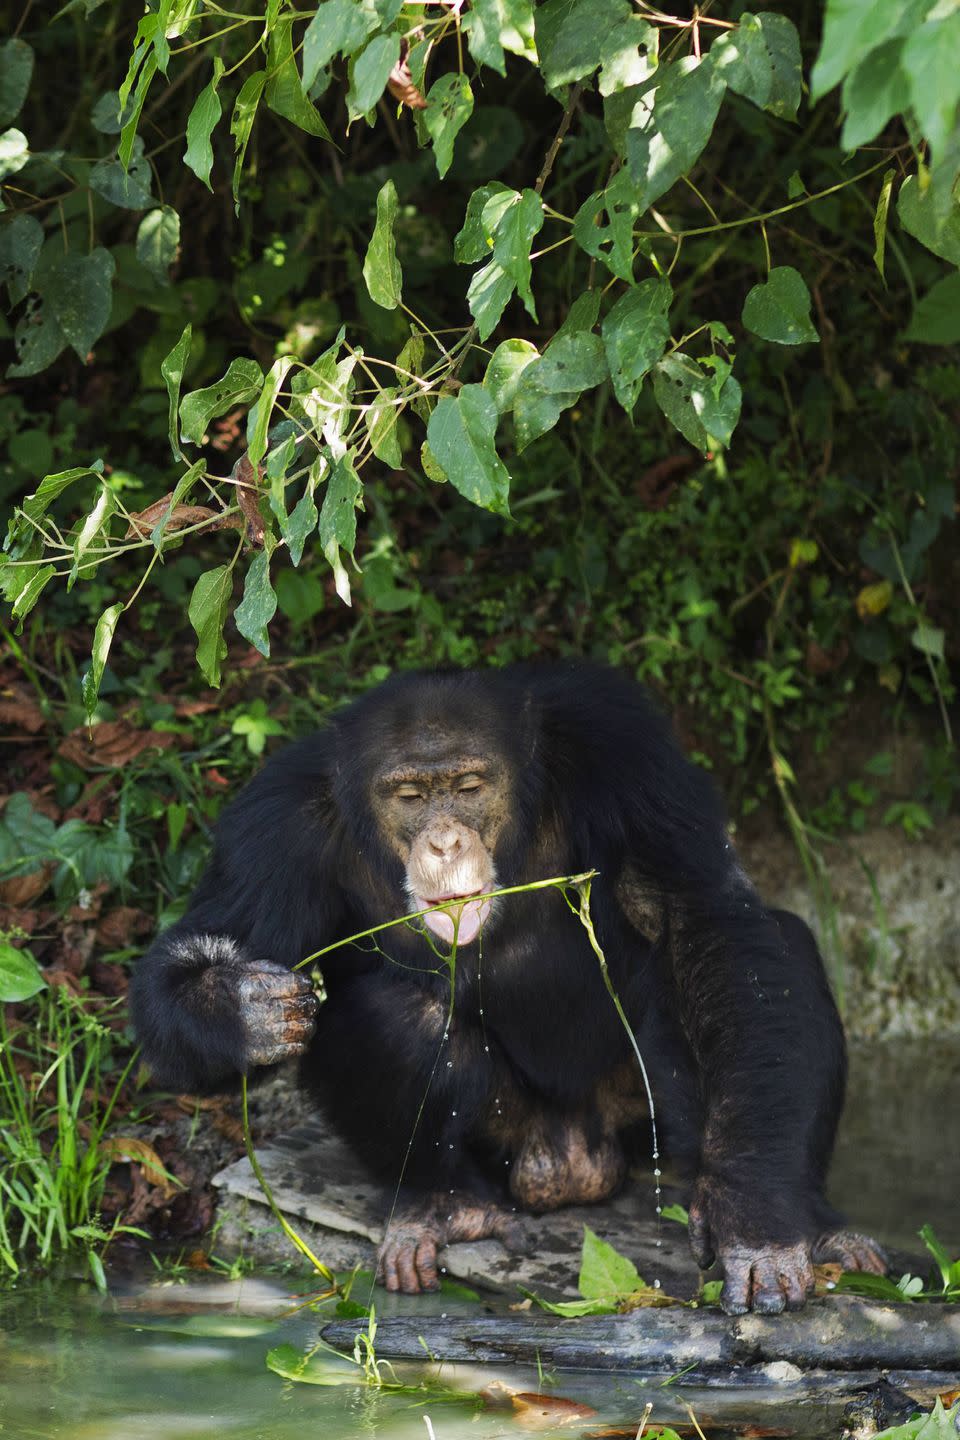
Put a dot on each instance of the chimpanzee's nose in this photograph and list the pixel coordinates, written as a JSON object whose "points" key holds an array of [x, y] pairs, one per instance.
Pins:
{"points": [[445, 842]]}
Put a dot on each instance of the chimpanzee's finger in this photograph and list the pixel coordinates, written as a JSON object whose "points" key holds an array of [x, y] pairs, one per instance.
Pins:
{"points": [[852, 1251], [387, 1269], [406, 1265], [766, 1294], [735, 1296], [425, 1261]]}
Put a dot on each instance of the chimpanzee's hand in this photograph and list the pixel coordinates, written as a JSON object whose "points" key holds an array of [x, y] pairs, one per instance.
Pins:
{"points": [[278, 1010], [407, 1259], [761, 1275]]}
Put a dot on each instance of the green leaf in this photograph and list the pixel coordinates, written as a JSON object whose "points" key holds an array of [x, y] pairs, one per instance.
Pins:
{"points": [[102, 640], [506, 366], [381, 268], [635, 334], [242, 382], [880, 220], [929, 640], [474, 242], [852, 28], [514, 219], [34, 583], [760, 59], [605, 1274], [258, 420], [259, 604], [936, 316], [872, 93], [482, 25], [21, 239], [371, 71], [575, 1309], [128, 132], [677, 1213], [705, 412], [628, 55], [380, 418], [14, 153], [918, 213], [94, 524], [338, 520], [207, 612], [301, 524], [80, 293], [461, 433], [306, 1366], [241, 123], [488, 295], [779, 309], [171, 369], [670, 125], [571, 363], [201, 123], [128, 188], [570, 36], [930, 61], [284, 92], [158, 240], [16, 71], [20, 976], [582, 314], [53, 486], [612, 243], [449, 107], [339, 27]]}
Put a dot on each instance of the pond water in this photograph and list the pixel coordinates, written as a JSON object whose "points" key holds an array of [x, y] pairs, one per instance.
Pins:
{"points": [[183, 1357]]}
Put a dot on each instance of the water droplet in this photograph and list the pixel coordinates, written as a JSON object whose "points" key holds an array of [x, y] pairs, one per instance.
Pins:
{"points": [[449, 1064], [656, 1284], [449, 1147], [443, 1315], [658, 1243], [657, 1173], [487, 1049], [453, 1113], [443, 1269], [659, 1207], [452, 1192]]}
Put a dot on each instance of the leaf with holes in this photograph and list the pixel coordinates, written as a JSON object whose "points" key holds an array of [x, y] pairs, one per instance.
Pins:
{"points": [[779, 310], [242, 382], [612, 243], [339, 27], [570, 36], [670, 125], [760, 59], [80, 293], [462, 435], [514, 219], [635, 335], [449, 107], [21, 239], [129, 188], [688, 393]]}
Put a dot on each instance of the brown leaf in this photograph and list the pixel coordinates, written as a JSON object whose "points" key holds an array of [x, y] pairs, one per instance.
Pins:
{"points": [[184, 708], [120, 927], [180, 517], [75, 948], [819, 661], [108, 979], [248, 498], [19, 890], [19, 709], [657, 483], [112, 743], [121, 1147], [545, 1412], [94, 802], [401, 87]]}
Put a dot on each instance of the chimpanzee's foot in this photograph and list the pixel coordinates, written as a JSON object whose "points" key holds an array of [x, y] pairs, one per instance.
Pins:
{"points": [[553, 1169], [407, 1259], [852, 1251]]}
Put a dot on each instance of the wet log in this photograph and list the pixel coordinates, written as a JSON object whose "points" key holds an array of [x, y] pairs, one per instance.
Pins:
{"points": [[841, 1333]]}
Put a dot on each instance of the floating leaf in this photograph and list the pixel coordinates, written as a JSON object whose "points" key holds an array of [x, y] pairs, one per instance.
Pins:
{"points": [[381, 268], [779, 309], [461, 434]]}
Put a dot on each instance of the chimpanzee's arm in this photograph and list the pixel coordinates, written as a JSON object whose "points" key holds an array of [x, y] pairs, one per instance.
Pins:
{"points": [[215, 994]]}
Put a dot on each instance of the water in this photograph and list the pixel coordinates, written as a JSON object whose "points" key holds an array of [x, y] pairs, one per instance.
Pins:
{"points": [[174, 1359]]}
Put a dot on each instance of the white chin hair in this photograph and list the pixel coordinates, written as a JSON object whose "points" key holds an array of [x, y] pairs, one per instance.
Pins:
{"points": [[462, 925]]}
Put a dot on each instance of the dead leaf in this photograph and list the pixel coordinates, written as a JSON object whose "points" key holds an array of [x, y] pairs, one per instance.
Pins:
{"points": [[112, 743], [184, 708], [948, 1398], [401, 87], [248, 498], [545, 1412], [180, 517], [656, 484], [120, 927], [19, 709], [19, 890], [819, 661], [123, 1147], [108, 979]]}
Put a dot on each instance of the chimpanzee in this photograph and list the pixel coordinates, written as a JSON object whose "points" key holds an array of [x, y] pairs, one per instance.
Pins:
{"points": [[476, 1054]]}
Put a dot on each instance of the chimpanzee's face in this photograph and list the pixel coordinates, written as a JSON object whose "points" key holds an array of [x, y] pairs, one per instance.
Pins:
{"points": [[441, 806]]}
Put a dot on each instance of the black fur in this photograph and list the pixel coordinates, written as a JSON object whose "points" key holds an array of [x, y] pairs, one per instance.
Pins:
{"points": [[730, 1002]]}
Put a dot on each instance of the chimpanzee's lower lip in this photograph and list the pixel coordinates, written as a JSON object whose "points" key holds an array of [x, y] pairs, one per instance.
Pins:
{"points": [[448, 899]]}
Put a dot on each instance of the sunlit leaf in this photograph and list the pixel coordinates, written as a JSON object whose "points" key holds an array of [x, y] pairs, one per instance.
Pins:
{"points": [[20, 976], [635, 334], [670, 125], [603, 1271], [449, 107], [761, 60], [242, 382], [241, 123], [687, 392], [381, 268], [284, 92], [158, 241], [570, 36], [102, 640], [208, 612], [339, 27], [371, 71], [462, 435], [201, 123]]}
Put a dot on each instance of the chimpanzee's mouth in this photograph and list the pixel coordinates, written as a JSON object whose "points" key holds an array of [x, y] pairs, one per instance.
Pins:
{"points": [[463, 922]]}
